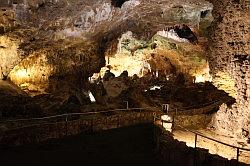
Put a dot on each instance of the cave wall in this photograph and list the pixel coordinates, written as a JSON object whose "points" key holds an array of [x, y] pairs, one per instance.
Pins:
{"points": [[57, 68], [60, 29], [9, 55], [229, 52]]}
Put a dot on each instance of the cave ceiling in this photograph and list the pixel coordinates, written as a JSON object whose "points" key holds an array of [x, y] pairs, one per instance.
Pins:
{"points": [[64, 36], [43, 41]]}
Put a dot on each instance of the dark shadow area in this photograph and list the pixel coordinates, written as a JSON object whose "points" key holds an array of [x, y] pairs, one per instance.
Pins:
{"points": [[130, 145], [187, 33], [118, 3]]}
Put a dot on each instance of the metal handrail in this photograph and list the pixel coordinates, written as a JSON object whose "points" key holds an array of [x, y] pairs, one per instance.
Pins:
{"points": [[69, 114], [204, 105], [200, 134], [212, 139], [209, 138]]}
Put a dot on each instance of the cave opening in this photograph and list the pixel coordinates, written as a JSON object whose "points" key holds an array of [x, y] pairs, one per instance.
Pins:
{"points": [[205, 13], [118, 3], [185, 32]]}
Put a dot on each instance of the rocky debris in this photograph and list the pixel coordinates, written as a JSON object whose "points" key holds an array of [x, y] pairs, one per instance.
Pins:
{"points": [[115, 86], [99, 92], [108, 75], [124, 74]]}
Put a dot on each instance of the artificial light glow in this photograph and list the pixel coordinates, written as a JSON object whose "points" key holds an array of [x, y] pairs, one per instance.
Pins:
{"points": [[94, 78], [168, 124], [166, 117], [171, 35], [92, 98], [199, 78], [32, 73], [155, 87], [22, 73], [203, 78]]}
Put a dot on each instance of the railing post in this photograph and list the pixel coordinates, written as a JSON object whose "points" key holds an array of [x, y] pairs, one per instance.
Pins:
{"points": [[237, 156], [173, 124], [154, 117], [195, 150], [118, 125], [126, 104], [66, 124], [195, 143]]}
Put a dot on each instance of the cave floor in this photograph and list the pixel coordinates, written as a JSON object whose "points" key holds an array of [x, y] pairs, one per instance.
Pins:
{"points": [[214, 148], [128, 146]]}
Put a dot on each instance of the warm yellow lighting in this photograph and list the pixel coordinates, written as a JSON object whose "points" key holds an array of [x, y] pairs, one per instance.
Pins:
{"points": [[138, 57], [32, 73], [133, 64], [166, 117], [21, 73], [167, 122], [91, 97], [223, 81], [9, 56], [199, 78], [203, 78]]}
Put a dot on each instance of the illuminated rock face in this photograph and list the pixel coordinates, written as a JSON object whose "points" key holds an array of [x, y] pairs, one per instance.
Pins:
{"points": [[55, 69], [9, 56], [162, 55], [224, 81], [56, 26], [32, 73], [46, 42], [61, 28], [230, 50]]}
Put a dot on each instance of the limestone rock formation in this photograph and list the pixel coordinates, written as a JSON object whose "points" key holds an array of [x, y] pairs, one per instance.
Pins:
{"points": [[230, 50], [61, 30], [56, 45]]}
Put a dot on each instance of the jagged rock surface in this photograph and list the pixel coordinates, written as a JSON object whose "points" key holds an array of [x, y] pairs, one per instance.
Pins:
{"points": [[230, 50], [70, 39]]}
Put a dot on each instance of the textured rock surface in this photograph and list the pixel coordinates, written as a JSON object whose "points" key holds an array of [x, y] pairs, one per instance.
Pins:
{"points": [[230, 50], [9, 55], [69, 41], [164, 54], [59, 30]]}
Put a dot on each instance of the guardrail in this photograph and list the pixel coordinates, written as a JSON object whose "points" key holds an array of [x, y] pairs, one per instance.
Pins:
{"points": [[217, 141], [201, 135], [21, 123], [166, 108], [84, 113]]}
